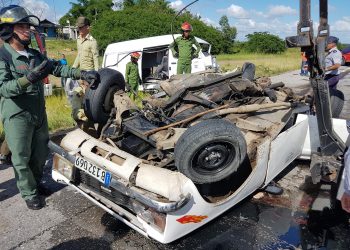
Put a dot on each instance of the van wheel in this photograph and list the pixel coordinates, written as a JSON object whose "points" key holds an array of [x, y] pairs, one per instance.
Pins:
{"points": [[337, 102], [98, 101], [210, 151]]}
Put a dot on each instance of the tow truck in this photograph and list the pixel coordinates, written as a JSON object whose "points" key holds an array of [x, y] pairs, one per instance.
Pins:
{"points": [[210, 141]]}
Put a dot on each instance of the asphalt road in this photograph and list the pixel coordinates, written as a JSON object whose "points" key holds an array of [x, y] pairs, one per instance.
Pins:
{"points": [[69, 221]]}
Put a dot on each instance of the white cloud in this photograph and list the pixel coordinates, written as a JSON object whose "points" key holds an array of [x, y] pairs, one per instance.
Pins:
{"points": [[40, 9], [258, 14], [246, 23], [281, 10], [341, 25], [208, 21], [235, 11], [177, 5], [276, 27]]}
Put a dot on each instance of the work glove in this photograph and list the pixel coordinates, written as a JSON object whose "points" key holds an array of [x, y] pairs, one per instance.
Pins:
{"points": [[39, 72], [194, 56], [92, 77], [176, 55]]}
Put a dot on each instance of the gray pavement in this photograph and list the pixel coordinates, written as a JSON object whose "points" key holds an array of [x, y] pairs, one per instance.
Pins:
{"points": [[292, 79], [69, 221]]}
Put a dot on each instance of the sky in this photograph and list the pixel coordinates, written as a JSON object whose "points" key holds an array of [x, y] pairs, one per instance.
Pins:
{"points": [[279, 17]]}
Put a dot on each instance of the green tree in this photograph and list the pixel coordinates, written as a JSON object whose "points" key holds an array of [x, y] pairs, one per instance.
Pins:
{"points": [[92, 9], [263, 42], [136, 22], [229, 34], [128, 3], [139, 19], [145, 3]]}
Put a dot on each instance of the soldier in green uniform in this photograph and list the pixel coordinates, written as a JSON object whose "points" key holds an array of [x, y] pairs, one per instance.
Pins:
{"points": [[132, 76], [182, 48], [22, 104]]}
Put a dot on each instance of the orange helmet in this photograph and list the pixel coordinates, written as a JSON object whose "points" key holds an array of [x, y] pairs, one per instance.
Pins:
{"points": [[186, 26], [135, 55]]}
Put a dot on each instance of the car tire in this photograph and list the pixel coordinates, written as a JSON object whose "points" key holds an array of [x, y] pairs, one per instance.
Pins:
{"points": [[210, 151], [337, 102], [98, 100]]}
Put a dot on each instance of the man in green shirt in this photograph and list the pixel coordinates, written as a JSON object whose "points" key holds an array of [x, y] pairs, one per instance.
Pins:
{"points": [[22, 104], [132, 76], [182, 48]]}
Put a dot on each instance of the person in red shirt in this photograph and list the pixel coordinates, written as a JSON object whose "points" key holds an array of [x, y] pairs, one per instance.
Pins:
{"points": [[304, 65]]}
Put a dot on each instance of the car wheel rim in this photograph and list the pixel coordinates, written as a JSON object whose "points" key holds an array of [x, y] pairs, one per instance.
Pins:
{"points": [[213, 158]]}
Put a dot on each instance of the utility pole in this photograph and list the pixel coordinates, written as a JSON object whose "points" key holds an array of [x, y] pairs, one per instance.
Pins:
{"points": [[54, 10]]}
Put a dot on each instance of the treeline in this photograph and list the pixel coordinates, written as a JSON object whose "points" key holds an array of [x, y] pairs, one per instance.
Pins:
{"points": [[133, 19]]}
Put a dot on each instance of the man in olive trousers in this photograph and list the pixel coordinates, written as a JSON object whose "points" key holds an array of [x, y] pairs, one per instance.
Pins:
{"points": [[132, 76], [22, 104], [182, 48]]}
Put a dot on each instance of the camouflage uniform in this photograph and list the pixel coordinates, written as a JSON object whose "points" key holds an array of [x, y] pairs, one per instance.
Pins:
{"points": [[132, 78]]}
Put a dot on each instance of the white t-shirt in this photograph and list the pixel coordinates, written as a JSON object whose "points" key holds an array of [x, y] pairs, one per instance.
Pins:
{"points": [[23, 53]]}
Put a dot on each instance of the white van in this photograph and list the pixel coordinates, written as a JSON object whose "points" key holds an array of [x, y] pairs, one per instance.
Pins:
{"points": [[157, 61]]}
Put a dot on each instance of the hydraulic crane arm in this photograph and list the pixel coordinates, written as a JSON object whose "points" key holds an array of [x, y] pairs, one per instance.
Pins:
{"points": [[326, 161]]}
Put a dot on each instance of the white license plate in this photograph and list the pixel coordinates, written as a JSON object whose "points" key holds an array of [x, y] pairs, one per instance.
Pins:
{"points": [[93, 170]]}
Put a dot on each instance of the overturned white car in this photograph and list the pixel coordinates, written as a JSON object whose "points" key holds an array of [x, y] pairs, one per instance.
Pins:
{"points": [[209, 142], [185, 158]]}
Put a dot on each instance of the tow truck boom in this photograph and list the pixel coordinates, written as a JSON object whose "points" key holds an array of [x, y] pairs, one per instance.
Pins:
{"points": [[328, 160]]}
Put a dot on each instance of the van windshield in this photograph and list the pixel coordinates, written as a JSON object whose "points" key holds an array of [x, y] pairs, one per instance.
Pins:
{"points": [[205, 47]]}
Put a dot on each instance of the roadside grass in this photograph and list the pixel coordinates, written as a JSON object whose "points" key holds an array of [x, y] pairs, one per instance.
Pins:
{"points": [[58, 111], [55, 49], [266, 64]]}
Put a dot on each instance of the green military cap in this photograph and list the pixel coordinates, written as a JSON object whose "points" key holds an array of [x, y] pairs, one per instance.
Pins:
{"points": [[82, 21]]}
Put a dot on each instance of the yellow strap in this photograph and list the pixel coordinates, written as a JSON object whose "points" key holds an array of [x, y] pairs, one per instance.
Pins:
{"points": [[7, 19]]}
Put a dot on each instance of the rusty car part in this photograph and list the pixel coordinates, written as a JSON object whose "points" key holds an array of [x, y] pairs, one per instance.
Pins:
{"points": [[253, 108], [324, 168], [168, 140], [124, 104], [264, 82], [239, 110], [150, 132]]}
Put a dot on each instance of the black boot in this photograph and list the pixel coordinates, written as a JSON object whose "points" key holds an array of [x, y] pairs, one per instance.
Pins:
{"points": [[5, 159], [35, 203], [42, 190]]}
